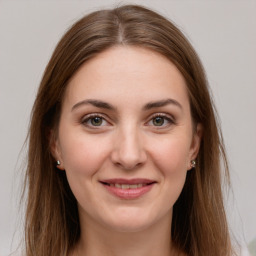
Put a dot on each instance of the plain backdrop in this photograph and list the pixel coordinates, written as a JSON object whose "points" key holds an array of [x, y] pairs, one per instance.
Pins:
{"points": [[222, 32]]}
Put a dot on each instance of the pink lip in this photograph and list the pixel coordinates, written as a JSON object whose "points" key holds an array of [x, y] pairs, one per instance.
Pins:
{"points": [[128, 181], [131, 193]]}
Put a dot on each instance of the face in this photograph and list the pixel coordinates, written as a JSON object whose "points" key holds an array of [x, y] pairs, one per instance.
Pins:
{"points": [[126, 138]]}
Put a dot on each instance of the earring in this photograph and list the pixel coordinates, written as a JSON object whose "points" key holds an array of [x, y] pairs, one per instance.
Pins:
{"points": [[193, 163], [58, 162]]}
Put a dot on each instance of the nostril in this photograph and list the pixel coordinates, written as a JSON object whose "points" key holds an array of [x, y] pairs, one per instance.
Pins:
{"points": [[127, 166]]}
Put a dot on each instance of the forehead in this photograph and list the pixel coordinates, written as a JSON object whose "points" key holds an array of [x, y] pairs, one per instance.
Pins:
{"points": [[127, 72]]}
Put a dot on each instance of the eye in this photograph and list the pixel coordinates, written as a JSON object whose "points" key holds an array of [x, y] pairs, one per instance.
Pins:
{"points": [[94, 120], [158, 121], [161, 120]]}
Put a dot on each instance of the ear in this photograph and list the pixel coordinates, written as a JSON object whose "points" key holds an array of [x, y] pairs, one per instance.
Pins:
{"points": [[195, 144], [55, 149]]}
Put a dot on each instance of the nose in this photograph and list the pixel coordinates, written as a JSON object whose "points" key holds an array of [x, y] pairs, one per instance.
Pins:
{"points": [[128, 150]]}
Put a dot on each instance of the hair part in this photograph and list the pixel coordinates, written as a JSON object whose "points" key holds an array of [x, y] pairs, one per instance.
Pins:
{"points": [[199, 225]]}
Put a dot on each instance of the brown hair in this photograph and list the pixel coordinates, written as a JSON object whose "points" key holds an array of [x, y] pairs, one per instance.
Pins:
{"points": [[199, 225]]}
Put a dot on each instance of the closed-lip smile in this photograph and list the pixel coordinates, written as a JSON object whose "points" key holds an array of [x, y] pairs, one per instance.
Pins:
{"points": [[128, 188]]}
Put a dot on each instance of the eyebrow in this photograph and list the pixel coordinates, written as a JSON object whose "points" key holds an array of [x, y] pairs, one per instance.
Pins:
{"points": [[148, 106], [162, 103], [96, 103]]}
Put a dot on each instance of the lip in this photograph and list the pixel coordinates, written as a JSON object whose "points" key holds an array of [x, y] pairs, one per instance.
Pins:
{"points": [[130, 193]]}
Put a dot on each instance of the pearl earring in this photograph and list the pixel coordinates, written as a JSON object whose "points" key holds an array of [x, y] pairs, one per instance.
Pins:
{"points": [[193, 163]]}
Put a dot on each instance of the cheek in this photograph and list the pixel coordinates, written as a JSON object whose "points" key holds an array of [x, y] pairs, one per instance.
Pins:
{"points": [[171, 155], [171, 161], [83, 154]]}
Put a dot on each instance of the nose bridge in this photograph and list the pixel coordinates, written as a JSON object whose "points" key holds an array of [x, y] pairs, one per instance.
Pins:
{"points": [[129, 150]]}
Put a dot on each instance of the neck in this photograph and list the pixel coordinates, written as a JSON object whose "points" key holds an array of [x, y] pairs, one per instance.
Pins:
{"points": [[97, 240]]}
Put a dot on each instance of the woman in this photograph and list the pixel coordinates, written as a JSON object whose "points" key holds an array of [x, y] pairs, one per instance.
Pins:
{"points": [[124, 149]]}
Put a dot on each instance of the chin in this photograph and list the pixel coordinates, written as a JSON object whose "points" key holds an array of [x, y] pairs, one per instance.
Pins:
{"points": [[130, 222]]}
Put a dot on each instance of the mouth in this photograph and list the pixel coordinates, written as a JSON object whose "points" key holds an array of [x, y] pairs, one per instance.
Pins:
{"points": [[128, 189]]}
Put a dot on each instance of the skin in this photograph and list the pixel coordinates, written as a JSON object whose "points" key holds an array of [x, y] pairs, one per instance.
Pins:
{"points": [[128, 142]]}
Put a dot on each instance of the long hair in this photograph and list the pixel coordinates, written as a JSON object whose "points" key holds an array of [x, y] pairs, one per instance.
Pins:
{"points": [[199, 225]]}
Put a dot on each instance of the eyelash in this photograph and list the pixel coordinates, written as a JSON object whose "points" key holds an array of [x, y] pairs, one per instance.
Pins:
{"points": [[166, 117], [89, 117]]}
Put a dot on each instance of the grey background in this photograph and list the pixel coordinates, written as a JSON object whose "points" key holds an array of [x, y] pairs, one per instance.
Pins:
{"points": [[222, 32]]}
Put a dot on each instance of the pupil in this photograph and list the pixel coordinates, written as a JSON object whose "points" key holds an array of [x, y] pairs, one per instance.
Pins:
{"points": [[158, 121], [96, 121]]}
